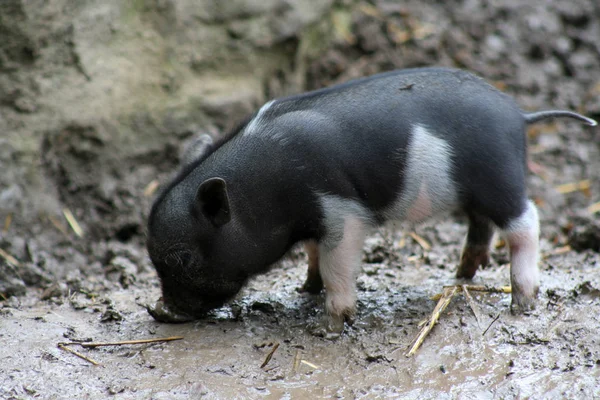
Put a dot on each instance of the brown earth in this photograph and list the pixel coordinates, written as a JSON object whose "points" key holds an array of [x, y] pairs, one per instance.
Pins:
{"points": [[96, 101]]}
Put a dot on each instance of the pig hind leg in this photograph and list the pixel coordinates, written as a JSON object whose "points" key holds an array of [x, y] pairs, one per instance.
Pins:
{"points": [[313, 283], [501, 198], [522, 235], [476, 251], [521, 231]]}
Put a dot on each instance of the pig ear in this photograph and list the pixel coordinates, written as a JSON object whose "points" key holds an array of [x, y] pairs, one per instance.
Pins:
{"points": [[195, 149], [213, 202]]}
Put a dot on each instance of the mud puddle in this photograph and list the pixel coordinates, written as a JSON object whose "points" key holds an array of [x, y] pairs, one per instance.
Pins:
{"points": [[552, 353]]}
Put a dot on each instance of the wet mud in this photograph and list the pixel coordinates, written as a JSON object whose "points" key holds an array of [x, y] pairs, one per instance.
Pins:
{"points": [[550, 353], [58, 287]]}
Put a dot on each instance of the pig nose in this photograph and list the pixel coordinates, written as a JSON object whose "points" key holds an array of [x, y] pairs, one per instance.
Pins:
{"points": [[178, 259], [162, 312]]}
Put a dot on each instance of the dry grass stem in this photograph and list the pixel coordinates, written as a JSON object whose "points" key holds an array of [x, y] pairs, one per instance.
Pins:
{"points": [[123, 342], [583, 186], [476, 288], [9, 258], [414, 258], [296, 363], [151, 188], [557, 251], [422, 242], [370, 10], [63, 346], [58, 225], [73, 222], [313, 366], [594, 208], [447, 295], [7, 223]]}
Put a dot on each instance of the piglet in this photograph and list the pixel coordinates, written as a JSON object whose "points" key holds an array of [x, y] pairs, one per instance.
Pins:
{"points": [[324, 167]]}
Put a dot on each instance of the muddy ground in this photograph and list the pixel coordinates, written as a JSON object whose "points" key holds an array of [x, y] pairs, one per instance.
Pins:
{"points": [[58, 287]]}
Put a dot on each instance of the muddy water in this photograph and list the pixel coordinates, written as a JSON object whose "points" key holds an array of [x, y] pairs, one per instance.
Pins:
{"points": [[552, 353]]}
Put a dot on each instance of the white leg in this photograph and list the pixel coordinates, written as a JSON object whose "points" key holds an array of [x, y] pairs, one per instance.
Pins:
{"points": [[339, 263], [522, 235]]}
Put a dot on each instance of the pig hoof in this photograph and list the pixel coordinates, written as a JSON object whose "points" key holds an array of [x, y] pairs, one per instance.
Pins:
{"points": [[349, 319], [330, 327], [311, 287], [523, 301], [162, 313], [522, 305], [471, 260]]}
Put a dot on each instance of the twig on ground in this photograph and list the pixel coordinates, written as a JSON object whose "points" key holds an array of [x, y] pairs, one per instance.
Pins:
{"points": [[121, 343], [297, 360], [490, 325], [270, 355], [63, 346], [447, 295]]}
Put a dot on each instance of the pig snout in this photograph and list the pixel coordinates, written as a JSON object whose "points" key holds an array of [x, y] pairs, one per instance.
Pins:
{"points": [[162, 312]]}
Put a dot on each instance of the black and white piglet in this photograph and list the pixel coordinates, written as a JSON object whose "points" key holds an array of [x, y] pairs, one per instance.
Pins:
{"points": [[326, 166]]}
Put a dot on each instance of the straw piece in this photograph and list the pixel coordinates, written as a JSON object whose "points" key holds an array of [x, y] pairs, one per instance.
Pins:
{"points": [[9, 258], [370, 10], [310, 364], [583, 186], [73, 222], [62, 346], [7, 222], [151, 188], [296, 362], [474, 288], [557, 251], [447, 295], [58, 225], [594, 208], [422, 242]]}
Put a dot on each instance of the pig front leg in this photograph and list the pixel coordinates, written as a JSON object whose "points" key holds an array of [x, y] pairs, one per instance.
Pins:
{"points": [[313, 283], [522, 235], [476, 251], [339, 259]]}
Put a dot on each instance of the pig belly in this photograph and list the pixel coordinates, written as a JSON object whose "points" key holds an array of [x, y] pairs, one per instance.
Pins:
{"points": [[428, 187]]}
